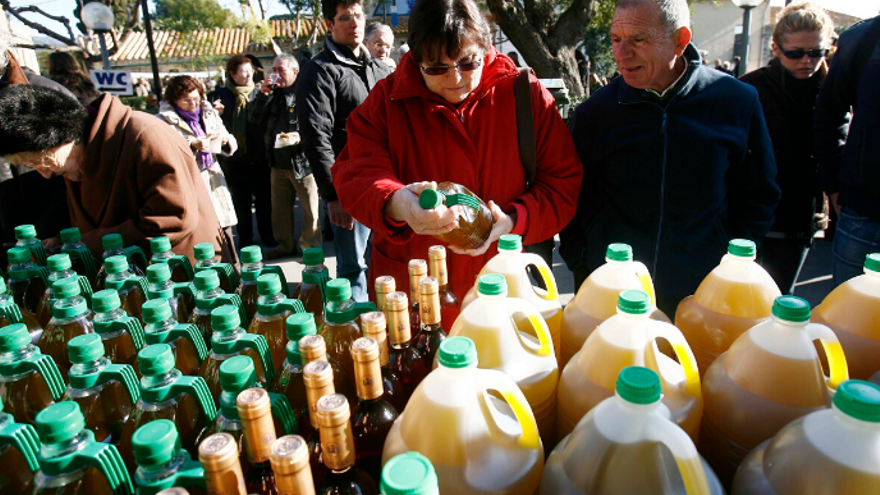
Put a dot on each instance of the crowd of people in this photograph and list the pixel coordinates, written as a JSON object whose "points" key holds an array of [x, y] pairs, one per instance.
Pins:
{"points": [[672, 157]]}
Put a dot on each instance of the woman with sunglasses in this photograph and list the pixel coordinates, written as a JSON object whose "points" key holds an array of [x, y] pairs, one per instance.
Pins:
{"points": [[787, 88], [449, 114]]}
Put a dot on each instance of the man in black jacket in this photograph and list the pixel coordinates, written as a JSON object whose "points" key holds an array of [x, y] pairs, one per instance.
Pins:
{"points": [[334, 83]]}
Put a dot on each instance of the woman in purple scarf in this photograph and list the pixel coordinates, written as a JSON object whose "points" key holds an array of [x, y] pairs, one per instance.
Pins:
{"points": [[187, 111]]}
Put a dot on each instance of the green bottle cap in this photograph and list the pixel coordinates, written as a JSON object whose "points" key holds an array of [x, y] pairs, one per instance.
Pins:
{"points": [[18, 255], [66, 287], [111, 242], [156, 359], [492, 284], [269, 284], [409, 474], [619, 252], [71, 236], [634, 302], [58, 263], [204, 251], [510, 242], [313, 256], [251, 254], [859, 399], [299, 325], [791, 308], [207, 280], [237, 373], [156, 310], [2, 286], [25, 232], [872, 262], [155, 443], [457, 352], [430, 199], [225, 318], [86, 348], [158, 273], [743, 248], [14, 337], [638, 385], [160, 244], [338, 290], [105, 301], [116, 264], [61, 422]]}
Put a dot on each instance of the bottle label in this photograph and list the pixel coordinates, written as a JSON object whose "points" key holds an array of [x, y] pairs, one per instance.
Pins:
{"points": [[429, 306], [398, 326], [337, 444]]}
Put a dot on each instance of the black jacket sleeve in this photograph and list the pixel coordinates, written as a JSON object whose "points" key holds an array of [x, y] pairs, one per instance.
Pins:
{"points": [[315, 103]]}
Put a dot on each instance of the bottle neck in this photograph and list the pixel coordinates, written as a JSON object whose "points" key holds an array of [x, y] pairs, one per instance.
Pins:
{"points": [[252, 267], [339, 306], [165, 470], [161, 327], [342, 458], [50, 451], [89, 368], [162, 286], [429, 309], [369, 379], [121, 276], [73, 245], [18, 354], [61, 275], [116, 314], [399, 333], [273, 299], [161, 256], [227, 335], [315, 268], [113, 252], [209, 294], [206, 263], [160, 381]]}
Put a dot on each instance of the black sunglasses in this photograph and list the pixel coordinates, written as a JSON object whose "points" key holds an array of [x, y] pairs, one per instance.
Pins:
{"points": [[439, 70], [799, 54]]}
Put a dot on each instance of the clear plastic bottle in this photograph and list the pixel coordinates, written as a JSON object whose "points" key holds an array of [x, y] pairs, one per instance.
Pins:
{"points": [[19, 451], [206, 260], [70, 317], [132, 289], [272, 311], [179, 266], [209, 296], [123, 336], [29, 380], [113, 246], [408, 474], [185, 340], [340, 322], [181, 295], [59, 267], [27, 281], [252, 268], [312, 291], [161, 461], [474, 217], [26, 237], [82, 261], [10, 313]]}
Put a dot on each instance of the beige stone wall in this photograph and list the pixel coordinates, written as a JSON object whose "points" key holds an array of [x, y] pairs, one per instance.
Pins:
{"points": [[715, 28]]}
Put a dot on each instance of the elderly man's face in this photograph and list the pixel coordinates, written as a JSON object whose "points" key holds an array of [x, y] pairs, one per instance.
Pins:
{"points": [[64, 160], [380, 44], [287, 75], [644, 53]]}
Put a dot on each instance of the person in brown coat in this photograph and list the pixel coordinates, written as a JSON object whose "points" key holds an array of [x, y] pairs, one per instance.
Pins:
{"points": [[127, 172]]}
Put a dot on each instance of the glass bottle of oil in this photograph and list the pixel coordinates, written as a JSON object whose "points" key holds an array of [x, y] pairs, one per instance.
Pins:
{"points": [[252, 268], [474, 220], [105, 392], [70, 317], [206, 260], [384, 285], [123, 336], [82, 261], [218, 455], [209, 296], [72, 462], [19, 451], [373, 415], [255, 411], [289, 379], [289, 456], [432, 334], [272, 311], [318, 378], [181, 295], [58, 267], [312, 290], [185, 339], [10, 313], [167, 394], [162, 462], [179, 266], [230, 340], [132, 288], [403, 358], [112, 244], [27, 280], [26, 237], [374, 326], [29, 380], [337, 445], [417, 270], [340, 322], [313, 348], [449, 305]]}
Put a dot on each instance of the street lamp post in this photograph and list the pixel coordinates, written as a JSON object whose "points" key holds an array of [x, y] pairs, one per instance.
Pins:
{"points": [[747, 6], [99, 18]]}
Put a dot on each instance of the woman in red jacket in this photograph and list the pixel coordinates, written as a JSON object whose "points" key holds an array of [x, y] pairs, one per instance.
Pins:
{"points": [[449, 114]]}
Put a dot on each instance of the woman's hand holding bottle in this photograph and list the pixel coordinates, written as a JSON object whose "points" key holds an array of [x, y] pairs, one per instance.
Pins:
{"points": [[504, 224], [404, 207]]}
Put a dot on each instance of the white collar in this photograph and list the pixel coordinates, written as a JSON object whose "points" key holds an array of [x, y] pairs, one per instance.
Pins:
{"points": [[662, 94]]}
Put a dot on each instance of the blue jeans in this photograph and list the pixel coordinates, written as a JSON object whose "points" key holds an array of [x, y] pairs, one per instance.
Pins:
{"points": [[352, 252], [856, 237]]}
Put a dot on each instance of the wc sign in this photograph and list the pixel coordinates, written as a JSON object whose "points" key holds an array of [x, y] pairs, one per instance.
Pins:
{"points": [[116, 82]]}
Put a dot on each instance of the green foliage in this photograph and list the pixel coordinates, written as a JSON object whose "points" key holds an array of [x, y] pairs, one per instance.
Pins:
{"points": [[191, 15], [597, 41]]}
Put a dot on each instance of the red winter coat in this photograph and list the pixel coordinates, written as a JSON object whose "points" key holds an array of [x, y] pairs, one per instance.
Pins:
{"points": [[404, 133]]}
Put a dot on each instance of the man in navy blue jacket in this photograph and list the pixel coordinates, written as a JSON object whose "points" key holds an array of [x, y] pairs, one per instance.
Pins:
{"points": [[677, 158]]}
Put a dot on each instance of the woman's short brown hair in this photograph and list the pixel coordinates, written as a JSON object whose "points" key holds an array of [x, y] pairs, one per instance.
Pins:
{"points": [[180, 86], [438, 27], [235, 62]]}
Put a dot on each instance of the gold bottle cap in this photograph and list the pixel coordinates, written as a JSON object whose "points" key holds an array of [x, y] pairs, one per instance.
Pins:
{"points": [[290, 455], [396, 301], [417, 269], [374, 326], [219, 452], [437, 255], [318, 379], [398, 318], [384, 286], [365, 354], [429, 285], [364, 350], [337, 442], [253, 403], [255, 411], [437, 252], [333, 411], [313, 348]]}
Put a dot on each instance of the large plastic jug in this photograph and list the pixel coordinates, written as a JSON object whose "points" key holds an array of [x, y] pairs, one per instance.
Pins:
{"points": [[629, 338], [596, 300], [828, 451], [628, 445], [735, 296], [770, 376], [852, 310], [474, 425], [513, 263], [511, 337]]}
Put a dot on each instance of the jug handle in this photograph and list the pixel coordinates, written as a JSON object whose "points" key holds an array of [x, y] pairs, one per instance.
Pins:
{"points": [[684, 354], [645, 278], [540, 327], [689, 466], [552, 291], [833, 351], [183, 262], [530, 438], [278, 271]]}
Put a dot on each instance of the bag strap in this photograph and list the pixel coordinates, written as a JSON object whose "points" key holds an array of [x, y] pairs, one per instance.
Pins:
{"points": [[867, 46], [525, 125]]}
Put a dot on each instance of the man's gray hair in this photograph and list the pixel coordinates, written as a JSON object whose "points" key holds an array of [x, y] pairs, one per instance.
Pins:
{"points": [[6, 43], [674, 14], [375, 26], [290, 59]]}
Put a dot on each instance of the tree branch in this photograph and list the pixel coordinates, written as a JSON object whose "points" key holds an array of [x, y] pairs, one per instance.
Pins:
{"points": [[569, 29], [16, 12]]}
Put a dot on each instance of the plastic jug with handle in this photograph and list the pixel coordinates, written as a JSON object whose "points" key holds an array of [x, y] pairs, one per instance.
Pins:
{"points": [[828, 451], [629, 338], [596, 300], [511, 337], [735, 296], [514, 264], [852, 310], [770, 376], [628, 445], [475, 426]]}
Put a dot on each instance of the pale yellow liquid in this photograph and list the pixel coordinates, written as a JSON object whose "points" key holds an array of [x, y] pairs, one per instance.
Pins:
{"points": [[855, 318], [273, 329]]}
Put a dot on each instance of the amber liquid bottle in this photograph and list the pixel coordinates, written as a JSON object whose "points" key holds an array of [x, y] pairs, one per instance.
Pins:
{"points": [[29, 379], [337, 445], [449, 305], [432, 334], [318, 377], [10, 314], [218, 455], [122, 335], [70, 317], [374, 326], [58, 267], [290, 462], [185, 339], [112, 244], [272, 312], [384, 285], [132, 288], [206, 260], [373, 416], [81, 259], [313, 348], [254, 409], [289, 379], [230, 340], [417, 270], [475, 220], [251, 270], [180, 269], [404, 360], [207, 284], [312, 289], [26, 281], [181, 296]]}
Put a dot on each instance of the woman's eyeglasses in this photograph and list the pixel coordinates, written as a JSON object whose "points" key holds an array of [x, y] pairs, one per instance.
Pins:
{"points": [[439, 70], [799, 54], [350, 17]]}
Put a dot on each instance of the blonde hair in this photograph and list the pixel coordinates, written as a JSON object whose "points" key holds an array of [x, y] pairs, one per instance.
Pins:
{"points": [[803, 16]]}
